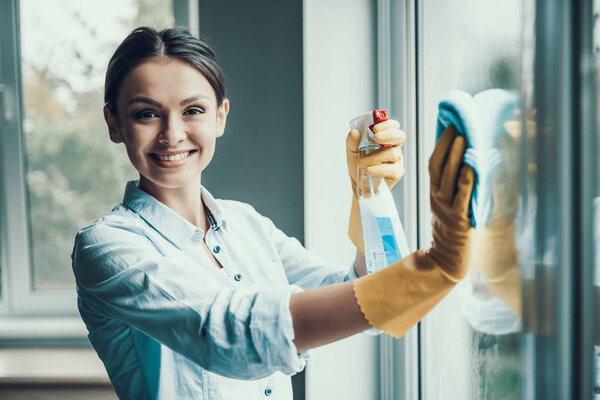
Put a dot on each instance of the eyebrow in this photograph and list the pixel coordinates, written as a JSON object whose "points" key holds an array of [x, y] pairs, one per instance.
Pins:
{"points": [[193, 98], [141, 99]]}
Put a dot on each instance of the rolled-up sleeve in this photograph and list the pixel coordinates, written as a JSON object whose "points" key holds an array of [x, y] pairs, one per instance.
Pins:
{"points": [[238, 332]]}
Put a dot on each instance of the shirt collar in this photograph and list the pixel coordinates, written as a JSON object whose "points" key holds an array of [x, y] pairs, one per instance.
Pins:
{"points": [[166, 221], [216, 212]]}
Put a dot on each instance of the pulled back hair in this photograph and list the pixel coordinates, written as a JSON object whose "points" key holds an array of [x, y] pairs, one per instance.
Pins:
{"points": [[144, 43]]}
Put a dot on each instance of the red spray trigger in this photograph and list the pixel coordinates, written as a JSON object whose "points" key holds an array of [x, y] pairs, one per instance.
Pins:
{"points": [[379, 116]]}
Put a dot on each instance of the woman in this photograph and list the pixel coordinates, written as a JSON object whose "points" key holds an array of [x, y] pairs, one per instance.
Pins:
{"points": [[188, 297]]}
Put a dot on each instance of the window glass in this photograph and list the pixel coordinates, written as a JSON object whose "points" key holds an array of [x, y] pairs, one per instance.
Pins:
{"points": [[74, 173], [475, 46]]}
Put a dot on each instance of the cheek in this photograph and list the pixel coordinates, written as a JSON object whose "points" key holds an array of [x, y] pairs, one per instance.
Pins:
{"points": [[203, 133], [131, 153], [136, 138]]}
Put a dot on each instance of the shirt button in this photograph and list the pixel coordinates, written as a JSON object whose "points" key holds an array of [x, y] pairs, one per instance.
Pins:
{"points": [[268, 391], [217, 249], [238, 277]]}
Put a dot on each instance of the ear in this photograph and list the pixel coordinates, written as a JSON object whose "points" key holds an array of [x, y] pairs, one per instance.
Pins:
{"points": [[111, 123], [222, 117]]}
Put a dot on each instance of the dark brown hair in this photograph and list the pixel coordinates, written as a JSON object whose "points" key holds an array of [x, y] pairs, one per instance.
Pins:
{"points": [[145, 43]]}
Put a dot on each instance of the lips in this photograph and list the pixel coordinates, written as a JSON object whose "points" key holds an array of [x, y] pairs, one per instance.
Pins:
{"points": [[172, 159]]}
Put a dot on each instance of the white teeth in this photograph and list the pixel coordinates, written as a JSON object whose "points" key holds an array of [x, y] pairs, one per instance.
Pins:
{"points": [[173, 157]]}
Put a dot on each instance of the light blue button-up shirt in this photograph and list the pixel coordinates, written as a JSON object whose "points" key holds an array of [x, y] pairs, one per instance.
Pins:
{"points": [[168, 324]]}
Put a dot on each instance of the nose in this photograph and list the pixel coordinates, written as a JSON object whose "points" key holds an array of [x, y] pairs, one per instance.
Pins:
{"points": [[172, 130]]}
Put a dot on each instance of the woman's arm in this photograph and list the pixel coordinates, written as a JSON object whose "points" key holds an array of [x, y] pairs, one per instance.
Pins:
{"points": [[324, 315], [360, 265], [125, 285]]}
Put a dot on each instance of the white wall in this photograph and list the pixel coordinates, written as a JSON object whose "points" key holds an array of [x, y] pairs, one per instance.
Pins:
{"points": [[339, 83]]}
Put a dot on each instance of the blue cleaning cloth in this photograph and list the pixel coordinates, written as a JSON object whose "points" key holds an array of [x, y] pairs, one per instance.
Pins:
{"points": [[481, 120]]}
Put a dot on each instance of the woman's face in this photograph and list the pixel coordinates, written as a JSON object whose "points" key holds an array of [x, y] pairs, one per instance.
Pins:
{"points": [[169, 121]]}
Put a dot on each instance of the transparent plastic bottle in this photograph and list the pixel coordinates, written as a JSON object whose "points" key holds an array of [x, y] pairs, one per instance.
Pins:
{"points": [[383, 235]]}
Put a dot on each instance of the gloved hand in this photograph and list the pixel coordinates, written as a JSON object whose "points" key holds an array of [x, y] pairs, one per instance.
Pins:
{"points": [[397, 297], [386, 162]]}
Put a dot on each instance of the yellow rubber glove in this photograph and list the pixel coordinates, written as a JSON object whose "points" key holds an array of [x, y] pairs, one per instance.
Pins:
{"points": [[387, 163], [397, 297]]}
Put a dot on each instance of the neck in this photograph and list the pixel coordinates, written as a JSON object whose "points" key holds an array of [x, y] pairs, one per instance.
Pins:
{"points": [[185, 201]]}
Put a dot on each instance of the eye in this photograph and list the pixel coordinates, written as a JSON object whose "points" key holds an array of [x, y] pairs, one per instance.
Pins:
{"points": [[194, 111], [146, 114]]}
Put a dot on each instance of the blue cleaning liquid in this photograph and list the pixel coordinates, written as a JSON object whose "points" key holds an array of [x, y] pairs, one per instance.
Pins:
{"points": [[383, 236], [390, 247]]}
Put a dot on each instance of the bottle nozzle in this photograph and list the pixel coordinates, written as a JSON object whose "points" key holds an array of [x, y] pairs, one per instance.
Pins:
{"points": [[364, 123], [379, 116]]}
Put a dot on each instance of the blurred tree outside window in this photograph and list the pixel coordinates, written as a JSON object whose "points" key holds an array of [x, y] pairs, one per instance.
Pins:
{"points": [[74, 173]]}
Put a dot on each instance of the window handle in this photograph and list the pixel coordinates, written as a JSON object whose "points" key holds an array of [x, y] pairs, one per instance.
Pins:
{"points": [[2, 102], [5, 113]]}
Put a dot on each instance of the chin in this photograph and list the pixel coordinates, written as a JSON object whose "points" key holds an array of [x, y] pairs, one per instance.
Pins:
{"points": [[155, 183], [177, 183]]}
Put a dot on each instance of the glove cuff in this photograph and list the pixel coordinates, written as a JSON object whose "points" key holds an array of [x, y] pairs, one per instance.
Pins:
{"points": [[395, 298]]}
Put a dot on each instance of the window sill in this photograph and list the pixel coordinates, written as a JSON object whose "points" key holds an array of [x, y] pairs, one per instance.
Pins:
{"points": [[49, 350], [51, 366], [14, 328]]}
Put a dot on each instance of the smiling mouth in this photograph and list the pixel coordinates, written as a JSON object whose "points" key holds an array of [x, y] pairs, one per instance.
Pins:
{"points": [[170, 159]]}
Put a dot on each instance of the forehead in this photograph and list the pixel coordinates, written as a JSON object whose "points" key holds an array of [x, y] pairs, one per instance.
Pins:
{"points": [[165, 78]]}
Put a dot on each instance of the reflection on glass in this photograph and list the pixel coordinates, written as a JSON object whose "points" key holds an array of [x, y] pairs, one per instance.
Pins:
{"points": [[475, 47], [74, 173]]}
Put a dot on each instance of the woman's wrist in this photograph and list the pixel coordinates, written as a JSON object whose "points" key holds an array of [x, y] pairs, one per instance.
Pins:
{"points": [[360, 265]]}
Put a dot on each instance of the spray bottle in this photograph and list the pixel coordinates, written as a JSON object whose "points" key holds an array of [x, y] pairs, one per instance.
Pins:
{"points": [[383, 235]]}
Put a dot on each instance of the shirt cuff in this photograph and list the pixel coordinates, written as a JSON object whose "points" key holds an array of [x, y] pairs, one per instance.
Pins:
{"points": [[272, 330]]}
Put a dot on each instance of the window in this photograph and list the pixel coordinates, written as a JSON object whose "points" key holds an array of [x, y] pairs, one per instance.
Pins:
{"points": [[62, 171], [480, 343], [471, 46]]}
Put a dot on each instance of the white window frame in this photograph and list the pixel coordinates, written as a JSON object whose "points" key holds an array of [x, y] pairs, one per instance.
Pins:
{"points": [[20, 305]]}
